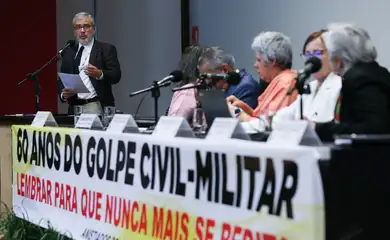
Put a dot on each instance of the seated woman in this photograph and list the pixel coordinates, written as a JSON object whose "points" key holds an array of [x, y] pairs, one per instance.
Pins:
{"points": [[183, 102], [273, 65], [364, 103], [320, 103]]}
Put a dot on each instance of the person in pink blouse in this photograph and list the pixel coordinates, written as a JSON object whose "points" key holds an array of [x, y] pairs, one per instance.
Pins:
{"points": [[183, 102], [273, 65]]}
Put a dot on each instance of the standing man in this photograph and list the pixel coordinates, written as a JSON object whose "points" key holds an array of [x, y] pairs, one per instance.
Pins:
{"points": [[216, 61], [96, 63]]}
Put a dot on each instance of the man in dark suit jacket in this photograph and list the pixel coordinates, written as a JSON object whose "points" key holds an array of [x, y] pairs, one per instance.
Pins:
{"points": [[216, 61], [98, 66], [364, 103]]}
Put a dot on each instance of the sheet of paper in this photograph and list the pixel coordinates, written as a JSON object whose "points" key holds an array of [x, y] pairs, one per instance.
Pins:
{"points": [[73, 81]]}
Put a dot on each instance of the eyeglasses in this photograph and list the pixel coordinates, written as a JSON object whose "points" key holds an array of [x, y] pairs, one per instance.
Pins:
{"points": [[315, 53], [81, 26]]}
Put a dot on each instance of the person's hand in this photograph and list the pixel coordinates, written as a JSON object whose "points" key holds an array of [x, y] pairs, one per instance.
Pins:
{"points": [[92, 71], [243, 116], [235, 101], [67, 93]]}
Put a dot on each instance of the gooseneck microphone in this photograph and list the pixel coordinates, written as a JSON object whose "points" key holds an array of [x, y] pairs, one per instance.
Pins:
{"points": [[70, 44], [231, 78], [175, 76], [312, 65], [34, 75]]}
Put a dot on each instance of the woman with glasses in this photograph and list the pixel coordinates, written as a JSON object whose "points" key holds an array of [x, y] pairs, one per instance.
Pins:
{"points": [[320, 101]]}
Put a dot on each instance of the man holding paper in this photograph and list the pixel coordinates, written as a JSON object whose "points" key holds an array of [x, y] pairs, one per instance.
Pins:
{"points": [[97, 65]]}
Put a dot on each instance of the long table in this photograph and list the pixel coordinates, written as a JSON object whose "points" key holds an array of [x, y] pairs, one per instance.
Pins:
{"points": [[352, 183]]}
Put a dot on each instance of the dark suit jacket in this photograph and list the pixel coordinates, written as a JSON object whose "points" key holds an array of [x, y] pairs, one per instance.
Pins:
{"points": [[248, 90], [365, 106], [104, 57]]}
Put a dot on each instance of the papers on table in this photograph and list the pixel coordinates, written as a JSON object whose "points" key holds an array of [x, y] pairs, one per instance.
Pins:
{"points": [[73, 81]]}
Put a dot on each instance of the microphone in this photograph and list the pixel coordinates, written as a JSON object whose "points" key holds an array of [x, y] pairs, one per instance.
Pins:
{"points": [[70, 43], [312, 65], [230, 78], [175, 76]]}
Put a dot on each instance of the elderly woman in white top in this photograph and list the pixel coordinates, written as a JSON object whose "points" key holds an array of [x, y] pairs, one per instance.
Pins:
{"points": [[364, 103], [319, 104]]}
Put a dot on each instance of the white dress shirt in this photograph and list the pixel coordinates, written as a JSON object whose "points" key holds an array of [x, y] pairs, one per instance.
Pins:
{"points": [[83, 64], [318, 106]]}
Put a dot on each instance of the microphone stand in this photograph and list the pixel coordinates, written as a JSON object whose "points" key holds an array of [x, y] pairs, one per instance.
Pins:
{"points": [[155, 90], [302, 89], [201, 86], [34, 77]]}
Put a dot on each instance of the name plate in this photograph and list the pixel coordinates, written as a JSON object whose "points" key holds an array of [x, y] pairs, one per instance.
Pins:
{"points": [[123, 123], [44, 119], [227, 128], [89, 121], [173, 127], [298, 132]]}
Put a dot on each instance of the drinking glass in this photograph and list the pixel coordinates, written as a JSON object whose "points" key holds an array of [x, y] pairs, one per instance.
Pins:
{"points": [[266, 117], [78, 110], [108, 114], [199, 123]]}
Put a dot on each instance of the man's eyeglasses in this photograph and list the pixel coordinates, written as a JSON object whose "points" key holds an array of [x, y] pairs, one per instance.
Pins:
{"points": [[81, 26], [315, 53]]}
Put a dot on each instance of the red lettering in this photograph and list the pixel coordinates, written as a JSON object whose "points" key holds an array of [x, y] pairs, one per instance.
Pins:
{"points": [[268, 237], [74, 201], [48, 192], [134, 223], [90, 204], [209, 226], [110, 203], [237, 232], [144, 220], [199, 227], [84, 202], [39, 190], [56, 193], [168, 226], [247, 235], [98, 206], [184, 226], [32, 196], [225, 231], [158, 222]]}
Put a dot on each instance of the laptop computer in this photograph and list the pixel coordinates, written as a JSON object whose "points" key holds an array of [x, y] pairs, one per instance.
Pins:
{"points": [[213, 103]]}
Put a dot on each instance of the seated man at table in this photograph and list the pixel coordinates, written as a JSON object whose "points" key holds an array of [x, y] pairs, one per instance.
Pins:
{"points": [[216, 61]]}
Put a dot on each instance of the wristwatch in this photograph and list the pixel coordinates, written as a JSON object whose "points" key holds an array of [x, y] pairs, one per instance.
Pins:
{"points": [[237, 112]]}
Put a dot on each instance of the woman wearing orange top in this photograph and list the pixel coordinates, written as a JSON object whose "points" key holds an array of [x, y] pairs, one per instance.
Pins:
{"points": [[273, 65]]}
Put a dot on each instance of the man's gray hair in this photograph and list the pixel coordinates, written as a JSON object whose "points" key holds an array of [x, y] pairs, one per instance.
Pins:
{"points": [[215, 57], [350, 43], [82, 15], [274, 47]]}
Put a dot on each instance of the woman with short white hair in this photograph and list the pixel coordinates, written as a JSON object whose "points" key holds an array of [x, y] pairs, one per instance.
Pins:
{"points": [[364, 103], [273, 65]]}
